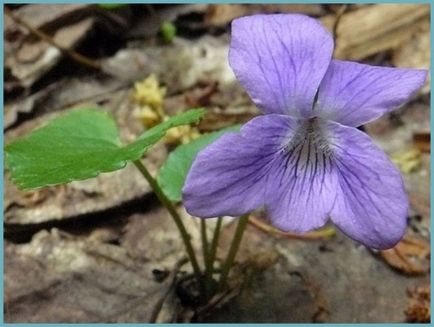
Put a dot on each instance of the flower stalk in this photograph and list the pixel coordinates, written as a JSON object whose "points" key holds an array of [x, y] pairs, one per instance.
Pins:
{"points": [[213, 248], [209, 257], [238, 236], [204, 239], [177, 219]]}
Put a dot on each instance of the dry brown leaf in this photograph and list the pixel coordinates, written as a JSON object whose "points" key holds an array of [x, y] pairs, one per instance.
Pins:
{"points": [[301, 8], [49, 16], [419, 308], [33, 60], [201, 97], [410, 256], [422, 141], [58, 277], [415, 53], [223, 14], [372, 29]]}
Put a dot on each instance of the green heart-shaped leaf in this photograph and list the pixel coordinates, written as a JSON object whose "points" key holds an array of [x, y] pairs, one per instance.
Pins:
{"points": [[79, 145], [173, 173]]}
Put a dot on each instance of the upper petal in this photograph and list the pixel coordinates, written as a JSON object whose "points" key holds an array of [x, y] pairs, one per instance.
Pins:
{"points": [[280, 60], [371, 204], [353, 94], [301, 186], [228, 177]]}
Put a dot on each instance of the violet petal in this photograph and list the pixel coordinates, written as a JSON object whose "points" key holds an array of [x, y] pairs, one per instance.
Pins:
{"points": [[301, 187], [280, 60], [353, 94], [371, 204], [228, 177]]}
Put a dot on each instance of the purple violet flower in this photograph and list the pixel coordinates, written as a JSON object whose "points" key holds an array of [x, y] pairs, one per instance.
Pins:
{"points": [[304, 159]]}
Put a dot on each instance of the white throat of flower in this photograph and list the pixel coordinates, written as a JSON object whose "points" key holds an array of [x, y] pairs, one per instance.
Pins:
{"points": [[309, 148]]}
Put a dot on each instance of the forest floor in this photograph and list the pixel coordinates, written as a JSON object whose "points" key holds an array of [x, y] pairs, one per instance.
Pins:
{"points": [[104, 250]]}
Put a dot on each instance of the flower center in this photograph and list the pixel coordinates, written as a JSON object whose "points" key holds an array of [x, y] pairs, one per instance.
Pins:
{"points": [[309, 148]]}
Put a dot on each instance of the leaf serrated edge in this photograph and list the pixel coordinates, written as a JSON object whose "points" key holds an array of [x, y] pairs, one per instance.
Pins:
{"points": [[122, 163]]}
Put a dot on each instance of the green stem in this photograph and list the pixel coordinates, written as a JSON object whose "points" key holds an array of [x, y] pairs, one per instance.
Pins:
{"points": [[178, 221], [209, 259], [213, 249], [242, 223], [204, 238]]}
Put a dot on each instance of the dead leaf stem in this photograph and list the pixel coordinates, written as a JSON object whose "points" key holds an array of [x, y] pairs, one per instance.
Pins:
{"points": [[172, 277], [83, 60], [314, 235]]}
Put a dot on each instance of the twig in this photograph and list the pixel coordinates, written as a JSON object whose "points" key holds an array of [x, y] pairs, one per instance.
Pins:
{"points": [[172, 277], [47, 38], [326, 232], [218, 299]]}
